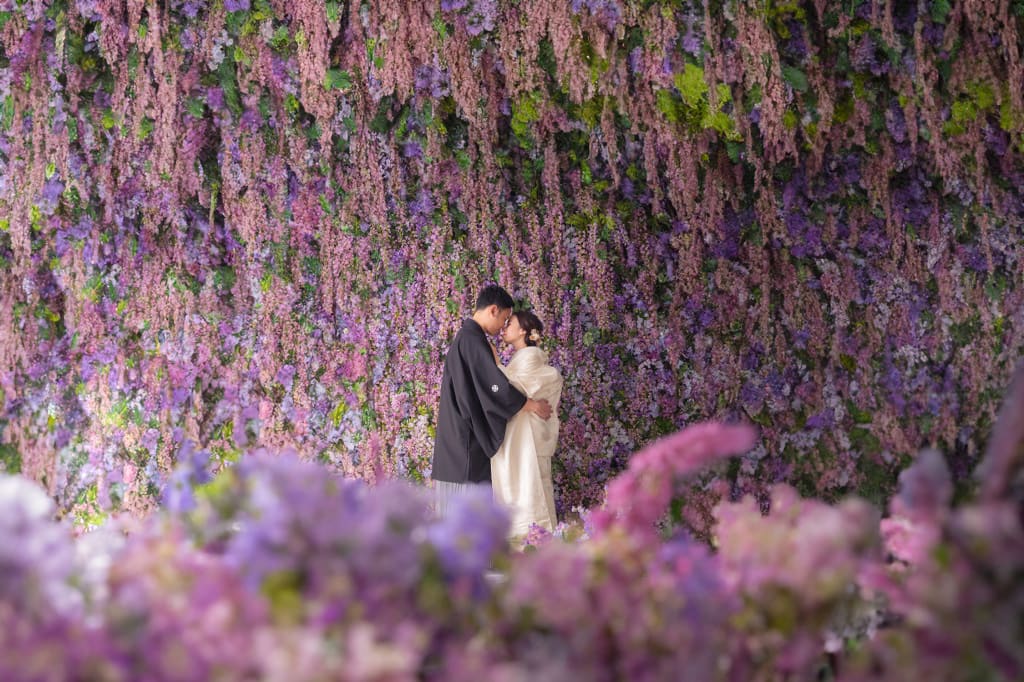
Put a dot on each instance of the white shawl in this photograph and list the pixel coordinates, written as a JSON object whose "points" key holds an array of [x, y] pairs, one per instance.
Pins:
{"points": [[521, 469]]}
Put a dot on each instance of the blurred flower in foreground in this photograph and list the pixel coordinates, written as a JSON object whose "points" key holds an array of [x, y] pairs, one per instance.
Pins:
{"points": [[35, 553]]}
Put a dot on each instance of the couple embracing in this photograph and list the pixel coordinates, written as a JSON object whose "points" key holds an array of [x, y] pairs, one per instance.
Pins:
{"points": [[498, 425]]}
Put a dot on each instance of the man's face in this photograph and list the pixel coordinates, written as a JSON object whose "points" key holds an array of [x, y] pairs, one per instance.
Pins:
{"points": [[498, 318]]}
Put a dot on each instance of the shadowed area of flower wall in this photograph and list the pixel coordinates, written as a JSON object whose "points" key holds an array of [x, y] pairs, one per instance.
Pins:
{"points": [[258, 222]]}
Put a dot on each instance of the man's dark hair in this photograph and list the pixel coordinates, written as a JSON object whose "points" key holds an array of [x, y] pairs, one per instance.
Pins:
{"points": [[494, 295]]}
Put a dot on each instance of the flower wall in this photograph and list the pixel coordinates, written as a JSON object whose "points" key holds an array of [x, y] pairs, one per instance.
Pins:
{"points": [[258, 223]]}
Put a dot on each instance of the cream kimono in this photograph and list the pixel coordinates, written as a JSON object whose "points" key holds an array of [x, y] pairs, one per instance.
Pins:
{"points": [[521, 469]]}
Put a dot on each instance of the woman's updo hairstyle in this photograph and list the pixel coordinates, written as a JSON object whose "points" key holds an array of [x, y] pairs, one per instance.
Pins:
{"points": [[530, 324]]}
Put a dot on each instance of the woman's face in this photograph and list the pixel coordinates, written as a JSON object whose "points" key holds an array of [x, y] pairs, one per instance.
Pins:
{"points": [[513, 331]]}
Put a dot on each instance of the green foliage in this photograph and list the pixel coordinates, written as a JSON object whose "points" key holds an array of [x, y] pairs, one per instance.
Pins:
{"points": [[546, 59], [689, 105], [337, 79], [195, 107], [597, 65], [979, 98], [333, 10], [590, 111], [7, 113], [524, 113], [795, 77], [440, 27], [939, 10], [224, 278], [89, 514], [227, 80], [779, 12], [10, 458], [281, 39], [963, 333], [145, 127], [108, 120], [371, 53], [691, 85]]}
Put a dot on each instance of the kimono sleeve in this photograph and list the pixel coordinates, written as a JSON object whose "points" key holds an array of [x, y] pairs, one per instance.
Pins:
{"points": [[498, 399]]}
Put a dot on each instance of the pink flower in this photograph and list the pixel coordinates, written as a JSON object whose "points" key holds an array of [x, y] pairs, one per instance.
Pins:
{"points": [[641, 495]]}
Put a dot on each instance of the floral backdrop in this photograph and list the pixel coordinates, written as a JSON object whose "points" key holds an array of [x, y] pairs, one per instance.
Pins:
{"points": [[257, 223]]}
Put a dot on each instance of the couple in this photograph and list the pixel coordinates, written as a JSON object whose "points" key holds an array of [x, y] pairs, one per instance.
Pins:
{"points": [[494, 423]]}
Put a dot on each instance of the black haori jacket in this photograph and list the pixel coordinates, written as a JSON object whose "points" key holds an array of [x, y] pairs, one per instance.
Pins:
{"points": [[476, 403]]}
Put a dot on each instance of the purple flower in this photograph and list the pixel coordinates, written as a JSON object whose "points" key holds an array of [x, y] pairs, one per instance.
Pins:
{"points": [[189, 8], [692, 42], [236, 5], [412, 150], [52, 190], [705, 319], [896, 123], [191, 470], [607, 12], [285, 376], [822, 420], [751, 395], [635, 60], [482, 17], [423, 205], [796, 45], [150, 440], [972, 257], [432, 80], [215, 99], [997, 140], [251, 119]]}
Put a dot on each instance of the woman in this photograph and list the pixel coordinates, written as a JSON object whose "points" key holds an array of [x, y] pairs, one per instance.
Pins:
{"points": [[521, 469]]}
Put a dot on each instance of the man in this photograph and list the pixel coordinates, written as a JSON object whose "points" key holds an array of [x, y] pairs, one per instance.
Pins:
{"points": [[476, 401]]}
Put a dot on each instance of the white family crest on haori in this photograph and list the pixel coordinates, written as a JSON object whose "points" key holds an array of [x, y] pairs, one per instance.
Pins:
{"points": [[521, 469]]}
